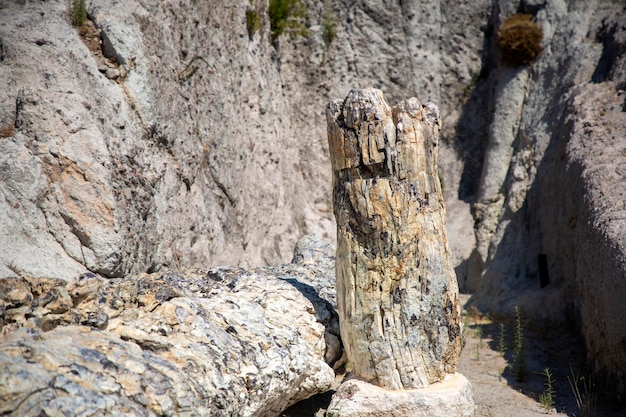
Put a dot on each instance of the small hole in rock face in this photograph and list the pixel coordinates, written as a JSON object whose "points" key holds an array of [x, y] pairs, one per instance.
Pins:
{"points": [[308, 407], [544, 277]]}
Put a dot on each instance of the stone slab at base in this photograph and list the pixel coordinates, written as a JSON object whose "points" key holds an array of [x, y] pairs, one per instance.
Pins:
{"points": [[453, 397]]}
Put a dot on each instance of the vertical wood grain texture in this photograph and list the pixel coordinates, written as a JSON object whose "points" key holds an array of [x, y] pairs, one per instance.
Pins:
{"points": [[396, 290]]}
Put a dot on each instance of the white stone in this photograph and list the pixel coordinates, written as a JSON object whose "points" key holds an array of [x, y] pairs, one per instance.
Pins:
{"points": [[453, 397]]}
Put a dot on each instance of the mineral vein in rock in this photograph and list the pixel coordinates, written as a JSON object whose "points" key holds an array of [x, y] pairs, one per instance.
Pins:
{"points": [[396, 291]]}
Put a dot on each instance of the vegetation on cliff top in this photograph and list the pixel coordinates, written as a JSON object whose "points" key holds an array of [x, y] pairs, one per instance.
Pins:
{"points": [[79, 13], [287, 15]]}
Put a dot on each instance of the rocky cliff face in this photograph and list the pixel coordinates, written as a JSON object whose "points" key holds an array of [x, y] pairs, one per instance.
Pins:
{"points": [[209, 147], [183, 139], [547, 226], [188, 157]]}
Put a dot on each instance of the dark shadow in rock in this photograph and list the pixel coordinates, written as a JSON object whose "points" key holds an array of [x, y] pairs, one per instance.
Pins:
{"points": [[309, 407], [325, 314], [613, 50], [310, 293], [471, 134], [461, 276]]}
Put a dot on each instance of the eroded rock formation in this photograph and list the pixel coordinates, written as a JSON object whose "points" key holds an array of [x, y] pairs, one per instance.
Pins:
{"points": [[146, 169], [555, 129], [203, 144], [188, 131]]}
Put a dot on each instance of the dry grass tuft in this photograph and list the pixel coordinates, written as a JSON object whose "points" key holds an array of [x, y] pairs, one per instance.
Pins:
{"points": [[7, 131], [519, 40]]}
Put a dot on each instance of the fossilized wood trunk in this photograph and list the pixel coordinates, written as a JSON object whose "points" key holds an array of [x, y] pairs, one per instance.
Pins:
{"points": [[225, 342], [397, 295]]}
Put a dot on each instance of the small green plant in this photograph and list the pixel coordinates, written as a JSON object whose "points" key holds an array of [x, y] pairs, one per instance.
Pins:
{"points": [[547, 397], [287, 15], [330, 26], [79, 13], [519, 40], [501, 340], [519, 362], [479, 345], [253, 21]]}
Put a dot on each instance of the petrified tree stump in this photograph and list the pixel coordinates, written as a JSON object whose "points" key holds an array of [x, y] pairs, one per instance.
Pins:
{"points": [[397, 294]]}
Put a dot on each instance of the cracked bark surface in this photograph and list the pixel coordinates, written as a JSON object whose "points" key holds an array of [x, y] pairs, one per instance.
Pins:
{"points": [[397, 294]]}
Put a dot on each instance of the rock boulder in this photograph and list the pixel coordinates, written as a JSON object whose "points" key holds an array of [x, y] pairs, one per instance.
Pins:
{"points": [[221, 342]]}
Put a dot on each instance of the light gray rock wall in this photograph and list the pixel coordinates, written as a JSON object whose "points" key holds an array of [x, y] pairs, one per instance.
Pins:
{"points": [[554, 199], [118, 177], [226, 164]]}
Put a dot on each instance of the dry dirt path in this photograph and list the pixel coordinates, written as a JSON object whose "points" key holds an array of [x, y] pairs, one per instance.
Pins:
{"points": [[496, 390]]}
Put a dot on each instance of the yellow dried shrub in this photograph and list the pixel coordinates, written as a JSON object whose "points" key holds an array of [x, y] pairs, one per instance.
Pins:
{"points": [[7, 131], [519, 40]]}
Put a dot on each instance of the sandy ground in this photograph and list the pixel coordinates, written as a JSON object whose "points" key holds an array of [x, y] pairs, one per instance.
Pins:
{"points": [[487, 361], [487, 358]]}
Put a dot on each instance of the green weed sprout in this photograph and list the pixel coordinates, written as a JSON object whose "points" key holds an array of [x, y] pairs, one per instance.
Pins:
{"points": [[519, 362], [547, 397], [330, 26], [501, 341], [287, 15], [79, 13], [253, 21]]}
